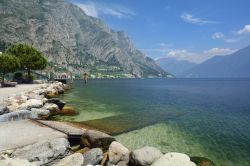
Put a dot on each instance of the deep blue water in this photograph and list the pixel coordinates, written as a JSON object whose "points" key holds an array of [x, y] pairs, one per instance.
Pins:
{"points": [[200, 117]]}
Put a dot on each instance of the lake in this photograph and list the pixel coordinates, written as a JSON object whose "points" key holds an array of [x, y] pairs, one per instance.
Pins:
{"points": [[199, 117]]}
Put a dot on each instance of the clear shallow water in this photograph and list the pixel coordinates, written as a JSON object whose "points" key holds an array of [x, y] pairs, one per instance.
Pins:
{"points": [[199, 117]]}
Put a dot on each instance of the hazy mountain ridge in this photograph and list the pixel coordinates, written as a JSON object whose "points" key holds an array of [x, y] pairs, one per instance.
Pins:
{"points": [[66, 35], [174, 66], [233, 65]]}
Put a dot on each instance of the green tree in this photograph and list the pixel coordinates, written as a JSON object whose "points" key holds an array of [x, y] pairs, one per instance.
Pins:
{"points": [[8, 64], [29, 57]]}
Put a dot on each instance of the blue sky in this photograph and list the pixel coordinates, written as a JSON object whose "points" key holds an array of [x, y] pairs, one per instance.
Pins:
{"points": [[192, 30]]}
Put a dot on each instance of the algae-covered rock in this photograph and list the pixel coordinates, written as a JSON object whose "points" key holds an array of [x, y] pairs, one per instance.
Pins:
{"points": [[67, 110], [93, 139], [202, 161]]}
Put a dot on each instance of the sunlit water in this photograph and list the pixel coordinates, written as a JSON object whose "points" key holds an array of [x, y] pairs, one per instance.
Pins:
{"points": [[199, 117]]}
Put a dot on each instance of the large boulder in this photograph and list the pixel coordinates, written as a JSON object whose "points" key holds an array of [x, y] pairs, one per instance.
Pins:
{"points": [[174, 159], [4, 110], [117, 153], [43, 152], [38, 113], [93, 157], [144, 156], [75, 159], [17, 115], [16, 162], [93, 139]]}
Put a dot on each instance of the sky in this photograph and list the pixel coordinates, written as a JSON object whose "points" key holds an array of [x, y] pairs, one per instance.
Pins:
{"points": [[192, 30]]}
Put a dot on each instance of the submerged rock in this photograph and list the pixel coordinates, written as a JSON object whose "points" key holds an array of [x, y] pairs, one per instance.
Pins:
{"points": [[93, 139], [144, 156], [75, 159], [44, 151], [117, 153], [93, 157], [174, 159], [67, 110], [202, 161], [17, 115], [4, 110]]}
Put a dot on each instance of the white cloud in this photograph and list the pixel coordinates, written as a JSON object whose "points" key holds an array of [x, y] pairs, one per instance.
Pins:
{"points": [[245, 30], [97, 9], [219, 51], [218, 35], [187, 17], [199, 57]]}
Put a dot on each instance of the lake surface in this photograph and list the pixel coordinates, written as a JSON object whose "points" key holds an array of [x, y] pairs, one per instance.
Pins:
{"points": [[199, 117]]}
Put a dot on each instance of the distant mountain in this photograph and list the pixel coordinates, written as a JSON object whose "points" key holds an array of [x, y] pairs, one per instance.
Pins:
{"points": [[174, 66], [234, 65], [69, 38]]}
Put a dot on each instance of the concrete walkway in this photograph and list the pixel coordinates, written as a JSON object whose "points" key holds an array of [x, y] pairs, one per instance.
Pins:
{"points": [[5, 92], [16, 134]]}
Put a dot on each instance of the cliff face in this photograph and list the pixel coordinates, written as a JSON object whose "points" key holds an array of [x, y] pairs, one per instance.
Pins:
{"points": [[66, 35]]}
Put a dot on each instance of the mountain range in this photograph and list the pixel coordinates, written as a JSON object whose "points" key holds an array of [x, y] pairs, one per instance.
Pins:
{"points": [[233, 65], [71, 39]]}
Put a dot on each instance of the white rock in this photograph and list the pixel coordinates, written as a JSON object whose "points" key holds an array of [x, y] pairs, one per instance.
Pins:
{"points": [[51, 107], [75, 159], [16, 162], [43, 152], [35, 103], [38, 113], [174, 159], [13, 107], [145, 156], [117, 153]]}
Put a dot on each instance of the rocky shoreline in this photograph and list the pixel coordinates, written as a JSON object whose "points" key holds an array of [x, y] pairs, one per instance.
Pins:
{"points": [[90, 147]]}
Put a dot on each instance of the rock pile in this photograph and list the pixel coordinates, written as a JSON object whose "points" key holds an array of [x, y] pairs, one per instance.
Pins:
{"points": [[58, 152], [35, 104]]}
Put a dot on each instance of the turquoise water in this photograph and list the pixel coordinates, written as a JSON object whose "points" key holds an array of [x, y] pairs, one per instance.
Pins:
{"points": [[199, 117]]}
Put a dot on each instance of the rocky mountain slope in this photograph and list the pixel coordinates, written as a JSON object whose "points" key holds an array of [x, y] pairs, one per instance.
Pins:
{"points": [[234, 65], [71, 39]]}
